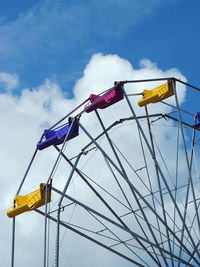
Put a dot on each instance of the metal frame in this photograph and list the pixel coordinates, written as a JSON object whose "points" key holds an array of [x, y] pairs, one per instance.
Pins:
{"points": [[163, 245]]}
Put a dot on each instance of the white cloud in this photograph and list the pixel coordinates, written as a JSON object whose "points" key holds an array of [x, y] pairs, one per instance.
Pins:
{"points": [[8, 81], [26, 116]]}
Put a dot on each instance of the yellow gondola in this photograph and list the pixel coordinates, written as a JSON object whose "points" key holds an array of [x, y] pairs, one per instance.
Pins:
{"points": [[157, 94], [30, 201]]}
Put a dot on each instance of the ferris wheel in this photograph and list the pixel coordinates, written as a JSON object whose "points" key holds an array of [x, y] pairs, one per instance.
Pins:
{"points": [[124, 175]]}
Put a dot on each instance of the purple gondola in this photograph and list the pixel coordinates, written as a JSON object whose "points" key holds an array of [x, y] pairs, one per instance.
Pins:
{"points": [[197, 121], [57, 136], [111, 98]]}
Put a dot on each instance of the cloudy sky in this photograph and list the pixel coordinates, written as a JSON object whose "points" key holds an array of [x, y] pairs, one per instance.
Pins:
{"points": [[53, 56]]}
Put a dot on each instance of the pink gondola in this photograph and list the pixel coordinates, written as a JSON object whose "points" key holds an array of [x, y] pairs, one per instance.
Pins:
{"points": [[109, 99]]}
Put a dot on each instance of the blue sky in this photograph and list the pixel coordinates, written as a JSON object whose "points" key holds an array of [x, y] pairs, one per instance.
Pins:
{"points": [[64, 49], [56, 39]]}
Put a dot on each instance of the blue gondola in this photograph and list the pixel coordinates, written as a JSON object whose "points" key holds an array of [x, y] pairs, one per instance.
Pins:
{"points": [[57, 136], [197, 121]]}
